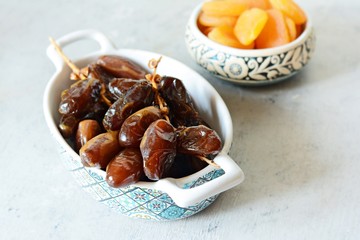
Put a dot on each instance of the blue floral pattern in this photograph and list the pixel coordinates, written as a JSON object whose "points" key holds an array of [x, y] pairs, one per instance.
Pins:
{"points": [[250, 70], [138, 202]]}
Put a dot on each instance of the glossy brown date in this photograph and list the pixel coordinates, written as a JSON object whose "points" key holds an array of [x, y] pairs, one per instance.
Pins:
{"points": [[67, 125], [198, 140], [80, 97], [125, 168], [119, 86], [182, 109], [121, 67], [99, 151], [134, 127], [98, 72], [87, 129], [139, 96], [158, 149]]}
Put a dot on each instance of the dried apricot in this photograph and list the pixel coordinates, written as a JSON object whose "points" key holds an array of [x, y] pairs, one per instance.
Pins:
{"points": [[207, 30], [249, 25], [263, 4], [291, 27], [252, 17], [225, 36], [290, 9], [275, 32], [299, 29], [216, 21], [223, 8]]}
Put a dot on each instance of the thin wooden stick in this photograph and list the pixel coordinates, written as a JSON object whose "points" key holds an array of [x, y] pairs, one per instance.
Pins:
{"points": [[210, 162], [153, 64], [77, 73], [73, 67], [103, 97]]}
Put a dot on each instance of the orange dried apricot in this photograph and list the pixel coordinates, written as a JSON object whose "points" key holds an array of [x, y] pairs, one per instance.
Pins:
{"points": [[275, 32], [254, 23], [201, 27], [225, 36], [223, 8], [299, 29], [249, 25], [291, 27], [290, 9], [207, 30], [216, 21], [263, 4]]}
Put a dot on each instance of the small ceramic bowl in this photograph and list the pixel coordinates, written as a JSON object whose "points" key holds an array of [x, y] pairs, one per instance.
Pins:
{"points": [[249, 67], [166, 199]]}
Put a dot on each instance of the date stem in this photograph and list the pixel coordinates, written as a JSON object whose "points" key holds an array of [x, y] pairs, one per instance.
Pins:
{"points": [[154, 78], [103, 97], [77, 73], [208, 161]]}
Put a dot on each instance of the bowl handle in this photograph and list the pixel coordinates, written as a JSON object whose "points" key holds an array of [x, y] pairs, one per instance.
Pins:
{"points": [[104, 43], [187, 197]]}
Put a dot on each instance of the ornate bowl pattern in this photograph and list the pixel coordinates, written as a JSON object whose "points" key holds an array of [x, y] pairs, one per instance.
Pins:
{"points": [[133, 201], [249, 67]]}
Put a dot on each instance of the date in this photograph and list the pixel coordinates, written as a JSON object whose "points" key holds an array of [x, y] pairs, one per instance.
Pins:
{"points": [[182, 109], [158, 149], [125, 168], [99, 151], [121, 67], [198, 140], [87, 129], [134, 127], [139, 96], [80, 97], [119, 86]]}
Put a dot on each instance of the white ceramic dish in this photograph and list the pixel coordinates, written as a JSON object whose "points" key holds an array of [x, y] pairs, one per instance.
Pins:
{"points": [[168, 198], [249, 67]]}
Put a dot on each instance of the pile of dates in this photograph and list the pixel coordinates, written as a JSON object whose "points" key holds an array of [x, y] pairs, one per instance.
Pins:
{"points": [[134, 128]]}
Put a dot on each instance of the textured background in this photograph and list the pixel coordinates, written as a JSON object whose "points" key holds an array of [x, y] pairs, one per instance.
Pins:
{"points": [[297, 142]]}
